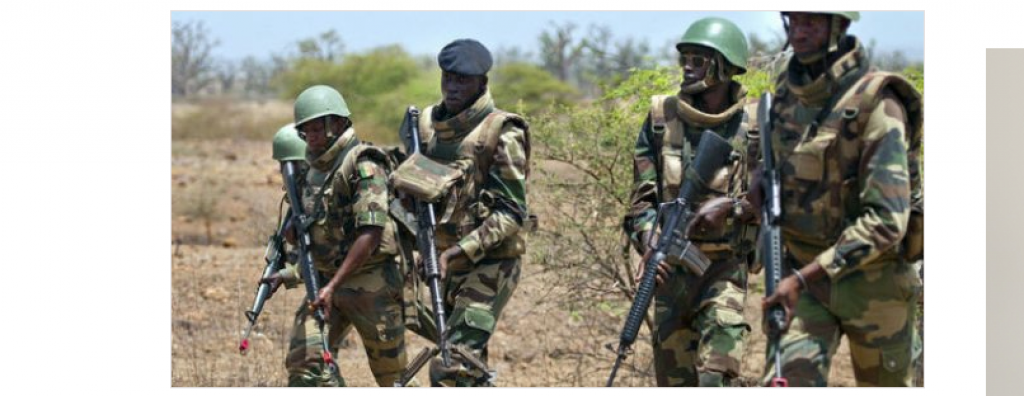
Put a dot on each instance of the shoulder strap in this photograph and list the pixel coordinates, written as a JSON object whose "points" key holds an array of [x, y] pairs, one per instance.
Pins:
{"points": [[492, 126], [874, 87], [318, 199], [426, 128], [658, 119], [870, 90]]}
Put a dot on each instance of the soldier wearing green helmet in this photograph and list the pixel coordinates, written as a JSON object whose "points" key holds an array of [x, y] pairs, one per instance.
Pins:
{"points": [[287, 146], [353, 247], [699, 329], [846, 139]]}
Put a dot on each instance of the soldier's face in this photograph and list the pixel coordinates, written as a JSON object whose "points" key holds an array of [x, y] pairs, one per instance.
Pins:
{"points": [[315, 134], [808, 32], [695, 62], [459, 90]]}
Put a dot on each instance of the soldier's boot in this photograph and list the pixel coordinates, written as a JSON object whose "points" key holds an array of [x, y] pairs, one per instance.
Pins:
{"points": [[712, 379], [466, 370], [314, 378]]}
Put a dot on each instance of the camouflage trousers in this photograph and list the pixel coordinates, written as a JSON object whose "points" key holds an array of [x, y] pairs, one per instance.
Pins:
{"points": [[876, 310], [475, 295], [371, 302], [699, 330]]}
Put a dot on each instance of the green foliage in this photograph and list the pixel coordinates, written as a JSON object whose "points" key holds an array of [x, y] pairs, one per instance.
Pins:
{"points": [[306, 72], [381, 70], [916, 76], [637, 89], [377, 85], [513, 84], [585, 176], [757, 82]]}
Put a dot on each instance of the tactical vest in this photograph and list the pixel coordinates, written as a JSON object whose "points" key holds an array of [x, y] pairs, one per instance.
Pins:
{"points": [[676, 141], [468, 204], [820, 183], [333, 232]]}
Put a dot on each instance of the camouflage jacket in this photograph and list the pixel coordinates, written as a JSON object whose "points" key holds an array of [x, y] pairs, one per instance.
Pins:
{"points": [[487, 208], [845, 185], [356, 196], [665, 146]]}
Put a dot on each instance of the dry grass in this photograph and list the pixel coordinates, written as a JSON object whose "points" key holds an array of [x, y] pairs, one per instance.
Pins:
{"points": [[224, 118], [219, 118]]}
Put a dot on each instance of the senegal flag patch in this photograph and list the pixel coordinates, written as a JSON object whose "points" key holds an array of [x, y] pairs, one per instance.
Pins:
{"points": [[365, 170]]}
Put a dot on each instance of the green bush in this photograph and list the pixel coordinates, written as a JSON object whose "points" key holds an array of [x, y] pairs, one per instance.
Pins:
{"points": [[377, 85], [529, 89], [757, 82], [916, 76]]}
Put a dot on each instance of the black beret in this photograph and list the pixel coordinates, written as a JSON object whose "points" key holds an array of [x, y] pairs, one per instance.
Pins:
{"points": [[465, 56]]}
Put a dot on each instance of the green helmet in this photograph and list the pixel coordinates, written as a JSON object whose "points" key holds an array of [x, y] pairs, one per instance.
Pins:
{"points": [[288, 146], [720, 35], [318, 101]]}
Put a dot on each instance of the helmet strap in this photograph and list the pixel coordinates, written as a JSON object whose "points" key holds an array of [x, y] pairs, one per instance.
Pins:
{"points": [[713, 76]]}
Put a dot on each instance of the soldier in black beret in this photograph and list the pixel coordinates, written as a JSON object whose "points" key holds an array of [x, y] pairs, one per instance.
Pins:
{"points": [[480, 249]]}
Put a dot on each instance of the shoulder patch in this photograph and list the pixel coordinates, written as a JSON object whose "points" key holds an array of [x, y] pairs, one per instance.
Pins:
{"points": [[364, 170]]}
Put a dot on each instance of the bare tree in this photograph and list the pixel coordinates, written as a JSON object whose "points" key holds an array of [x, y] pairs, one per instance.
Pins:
{"points": [[226, 72], [326, 46], [630, 54], [559, 51], [607, 60], [765, 47], [192, 66], [894, 61], [256, 76], [506, 55]]}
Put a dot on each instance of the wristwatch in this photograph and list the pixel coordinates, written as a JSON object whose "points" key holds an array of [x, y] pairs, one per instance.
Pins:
{"points": [[737, 208]]}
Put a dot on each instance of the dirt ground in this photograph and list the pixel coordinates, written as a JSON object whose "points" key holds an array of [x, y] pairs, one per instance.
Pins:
{"points": [[236, 186]]}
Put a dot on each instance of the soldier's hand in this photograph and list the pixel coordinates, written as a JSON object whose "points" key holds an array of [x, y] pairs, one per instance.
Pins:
{"points": [[275, 281], [710, 216], [659, 277], [289, 233], [446, 256], [324, 300], [786, 295]]}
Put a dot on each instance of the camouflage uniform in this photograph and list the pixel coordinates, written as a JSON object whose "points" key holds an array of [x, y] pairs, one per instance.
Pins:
{"points": [[699, 328], [371, 299], [483, 215], [846, 201]]}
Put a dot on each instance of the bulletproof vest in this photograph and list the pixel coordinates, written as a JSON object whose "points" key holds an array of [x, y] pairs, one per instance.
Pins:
{"points": [[676, 134], [334, 230], [468, 204], [819, 166]]}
